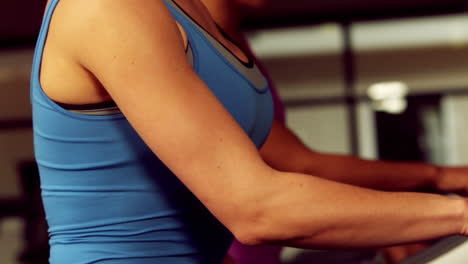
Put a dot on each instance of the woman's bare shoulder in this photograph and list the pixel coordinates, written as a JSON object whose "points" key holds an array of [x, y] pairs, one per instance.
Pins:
{"points": [[77, 22]]}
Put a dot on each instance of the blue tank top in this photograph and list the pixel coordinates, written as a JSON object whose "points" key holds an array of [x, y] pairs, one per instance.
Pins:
{"points": [[107, 196]]}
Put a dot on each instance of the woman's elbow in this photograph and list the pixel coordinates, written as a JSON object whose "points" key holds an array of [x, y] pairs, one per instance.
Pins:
{"points": [[255, 219], [255, 229], [249, 234]]}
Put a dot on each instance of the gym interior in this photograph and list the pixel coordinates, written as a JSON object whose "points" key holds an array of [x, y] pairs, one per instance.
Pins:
{"points": [[378, 79]]}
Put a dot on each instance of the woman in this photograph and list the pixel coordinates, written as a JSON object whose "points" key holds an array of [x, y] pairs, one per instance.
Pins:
{"points": [[147, 124]]}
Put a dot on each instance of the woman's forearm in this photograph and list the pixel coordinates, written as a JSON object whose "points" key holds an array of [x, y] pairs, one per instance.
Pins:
{"points": [[309, 212], [382, 175]]}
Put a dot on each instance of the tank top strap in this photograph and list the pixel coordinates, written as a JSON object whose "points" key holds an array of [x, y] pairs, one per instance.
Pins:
{"points": [[180, 17], [198, 36], [43, 32], [39, 50]]}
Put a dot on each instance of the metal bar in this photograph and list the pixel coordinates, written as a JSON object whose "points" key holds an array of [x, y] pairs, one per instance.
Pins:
{"points": [[443, 246], [349, 75]]}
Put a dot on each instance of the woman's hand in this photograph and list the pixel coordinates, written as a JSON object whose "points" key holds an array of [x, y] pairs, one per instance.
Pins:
{"points": [[452, 179]]}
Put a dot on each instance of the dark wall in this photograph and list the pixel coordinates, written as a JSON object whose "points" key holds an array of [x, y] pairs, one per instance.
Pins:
{"points": [[356, 6], [287, 12], [19, 20]]}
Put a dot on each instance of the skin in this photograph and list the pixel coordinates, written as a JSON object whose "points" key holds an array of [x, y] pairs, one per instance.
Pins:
{"points": [[133, 52], [394, 176], [282, 142]]}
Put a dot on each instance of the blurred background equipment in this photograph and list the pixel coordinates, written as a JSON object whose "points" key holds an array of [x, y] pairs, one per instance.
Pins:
{"points": [[379, 79]]}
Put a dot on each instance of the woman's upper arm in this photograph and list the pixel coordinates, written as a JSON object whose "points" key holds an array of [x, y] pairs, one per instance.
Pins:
{"points": [[135, 51]]}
